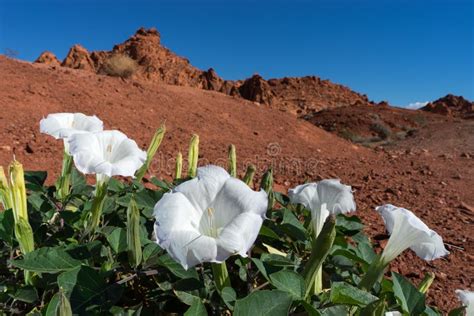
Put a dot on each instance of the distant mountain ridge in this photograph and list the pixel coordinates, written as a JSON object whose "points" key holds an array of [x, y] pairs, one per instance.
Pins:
{"points": [[157, 63]]}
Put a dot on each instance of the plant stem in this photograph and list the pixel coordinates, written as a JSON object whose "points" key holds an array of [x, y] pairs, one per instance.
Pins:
{"points": [[64, 180], [221, 275], [97, 205], [320, 249], [374, 273]]}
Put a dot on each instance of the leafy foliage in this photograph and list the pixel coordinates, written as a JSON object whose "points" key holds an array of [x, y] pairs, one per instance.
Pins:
{"points": [[94, 274]]}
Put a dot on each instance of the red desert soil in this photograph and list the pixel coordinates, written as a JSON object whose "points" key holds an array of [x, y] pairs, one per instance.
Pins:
{"points": [[430, 172]]}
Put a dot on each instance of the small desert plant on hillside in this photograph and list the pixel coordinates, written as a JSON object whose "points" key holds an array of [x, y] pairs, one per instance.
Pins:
{"points": [[119, 65], [382, 130]]}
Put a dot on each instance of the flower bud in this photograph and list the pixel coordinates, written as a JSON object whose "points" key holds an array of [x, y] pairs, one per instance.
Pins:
{"points": [[152, 149], [18, 190], [193, 156], [5, 196], [267, 185], [64, 306], [179, 166], [426, 282], [232, 161], [249, 174], [133, 234]]}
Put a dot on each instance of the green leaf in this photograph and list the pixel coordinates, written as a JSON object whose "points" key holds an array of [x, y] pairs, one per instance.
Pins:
{"points": [[410, 299], [47, 260], [290, 282], [196, 309], [376, 308], [6, 226], [175, 268], [344, 293], [228, 296], [268, 232], [260, 303], [186, 298], [53, 305], [85, 287], [292, 226], [36, 177], [27, 294], [349, 224], [117, 239], [310, 309]]}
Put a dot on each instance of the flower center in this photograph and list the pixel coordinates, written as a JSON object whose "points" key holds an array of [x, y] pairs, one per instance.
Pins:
{"points": [[207, 225]]}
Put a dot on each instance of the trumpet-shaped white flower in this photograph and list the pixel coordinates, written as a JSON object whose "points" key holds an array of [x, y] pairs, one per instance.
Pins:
{"points": [[64, 125], [323, 198], [467, 299], [106, 153], [408, 231], [209, 218]]}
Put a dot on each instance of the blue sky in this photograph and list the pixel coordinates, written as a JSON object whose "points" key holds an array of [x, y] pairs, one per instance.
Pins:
{"points": [[401, 51]]}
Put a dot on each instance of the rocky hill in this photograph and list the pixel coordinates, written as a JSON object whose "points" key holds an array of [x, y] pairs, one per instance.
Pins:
{"points": [[451, 105], [158, 64]]}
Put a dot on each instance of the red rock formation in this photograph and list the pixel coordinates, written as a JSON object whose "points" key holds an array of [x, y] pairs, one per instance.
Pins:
{"points": [[78, 58], [451, 105], [48, 58], [158, 64]]}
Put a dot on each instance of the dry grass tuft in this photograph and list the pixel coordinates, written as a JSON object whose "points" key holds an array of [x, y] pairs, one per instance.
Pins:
{"points": [[119, 65]]}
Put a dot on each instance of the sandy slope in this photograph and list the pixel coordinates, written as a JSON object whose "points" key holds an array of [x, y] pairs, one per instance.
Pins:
{"points": [[431, 174]]}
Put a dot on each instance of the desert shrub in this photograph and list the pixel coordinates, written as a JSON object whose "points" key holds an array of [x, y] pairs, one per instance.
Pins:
{"points": [[119, 65], [381, 129]]}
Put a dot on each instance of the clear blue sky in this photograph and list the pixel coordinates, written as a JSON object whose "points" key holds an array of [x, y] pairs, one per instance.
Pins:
{"points": [[403, 51]]}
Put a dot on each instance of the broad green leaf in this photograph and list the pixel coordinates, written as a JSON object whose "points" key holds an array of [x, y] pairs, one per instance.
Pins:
{"points": [[349, 224], [344, 293], [117, 239], [376, 308], [292, 226], [268, 232], [264, 303], [6, 226], [196, 309], [85, 287], [228, 296], [407, 295], [187, 298], [310, 309], [27, 294], [290, 282], [47, 260], [175, 268]]}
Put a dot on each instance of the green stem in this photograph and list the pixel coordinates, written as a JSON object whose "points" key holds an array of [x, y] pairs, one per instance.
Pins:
{"points": [[320, 249], [64, 180], [97, 205], [374, 273], [221, 275]]}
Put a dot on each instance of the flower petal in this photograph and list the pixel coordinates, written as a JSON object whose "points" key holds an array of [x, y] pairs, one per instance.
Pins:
{"points": [[108, 152], [190, 248], [240, 234], [337, 196], [235, 198], [408, 231], [63, 125], [172, 212], [467, 299], [202, 190]]}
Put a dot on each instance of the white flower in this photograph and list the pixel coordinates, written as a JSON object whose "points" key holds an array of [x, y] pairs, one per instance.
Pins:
{"points": [[63, 125], [408, 231], [209, 218], [107, 153], [393, 313], [467, 299], [322, 199]]}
